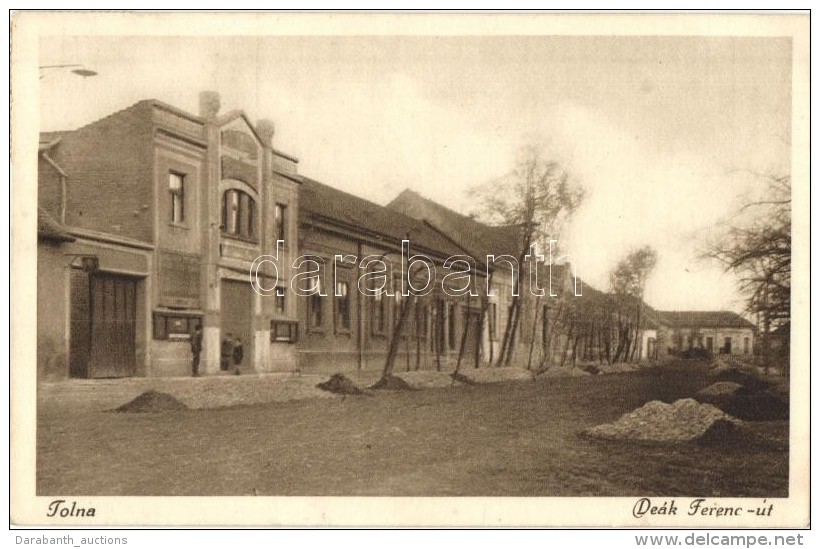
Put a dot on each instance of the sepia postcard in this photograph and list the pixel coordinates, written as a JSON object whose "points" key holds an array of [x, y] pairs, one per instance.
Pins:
{"points": [[410, 269]]}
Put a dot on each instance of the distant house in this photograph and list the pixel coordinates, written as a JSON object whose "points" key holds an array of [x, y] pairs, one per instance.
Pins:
{"points": [[716, 332]]}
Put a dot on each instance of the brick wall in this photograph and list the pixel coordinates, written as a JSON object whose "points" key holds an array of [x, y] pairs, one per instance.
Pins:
{"points": [[110, 176]]}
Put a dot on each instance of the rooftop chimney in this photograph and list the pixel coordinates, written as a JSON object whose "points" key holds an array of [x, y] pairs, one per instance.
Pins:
{"points": [[266, 129], [209, 104]]}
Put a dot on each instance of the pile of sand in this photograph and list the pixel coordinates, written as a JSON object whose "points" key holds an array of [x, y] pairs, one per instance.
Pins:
{"points": [[151, 402], [392, 383], [684, 421], [340, 385]]}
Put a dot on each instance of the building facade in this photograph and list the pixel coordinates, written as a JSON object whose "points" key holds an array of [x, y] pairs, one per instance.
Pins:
{"points": [[166, 212], [711, 332]]}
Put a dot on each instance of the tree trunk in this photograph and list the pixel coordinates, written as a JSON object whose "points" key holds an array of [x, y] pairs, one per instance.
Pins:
{"points": [[548, 354], [511, 344], [417, 332], [532, 332], [464, 330], [566, 344], [575, 349], [485, 306], [435, 336], [395, 339]]}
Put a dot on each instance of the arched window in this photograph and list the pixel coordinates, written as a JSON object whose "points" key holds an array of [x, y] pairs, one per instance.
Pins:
{"points": [[239, 214]]}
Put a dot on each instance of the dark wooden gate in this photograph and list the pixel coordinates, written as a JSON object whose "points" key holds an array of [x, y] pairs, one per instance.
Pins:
{"points": [[103, 325], [113, 326]]}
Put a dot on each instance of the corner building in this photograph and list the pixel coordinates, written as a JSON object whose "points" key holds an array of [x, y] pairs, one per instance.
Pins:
{"points": [[149, 221]]}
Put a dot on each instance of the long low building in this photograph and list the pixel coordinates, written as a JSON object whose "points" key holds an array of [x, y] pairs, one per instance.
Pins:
{"points": [[154, 221]]}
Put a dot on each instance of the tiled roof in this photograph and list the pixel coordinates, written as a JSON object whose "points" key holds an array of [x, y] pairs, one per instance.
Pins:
{"points": [[703, 319], [477, 238], [49, 228], [318, 199]]}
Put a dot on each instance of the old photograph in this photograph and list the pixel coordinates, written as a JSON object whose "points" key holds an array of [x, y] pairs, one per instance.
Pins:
{"points": [[412, 256]]}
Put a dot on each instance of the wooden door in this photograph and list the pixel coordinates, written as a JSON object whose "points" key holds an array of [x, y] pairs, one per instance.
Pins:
{"points": [[112, 308]]}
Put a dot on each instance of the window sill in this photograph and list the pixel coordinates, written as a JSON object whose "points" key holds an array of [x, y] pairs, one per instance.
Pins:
{"points": [[179, 225], [240, 238]]}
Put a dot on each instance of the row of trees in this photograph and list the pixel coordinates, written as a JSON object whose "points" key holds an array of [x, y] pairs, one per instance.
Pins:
{"points": [[539, 197]]}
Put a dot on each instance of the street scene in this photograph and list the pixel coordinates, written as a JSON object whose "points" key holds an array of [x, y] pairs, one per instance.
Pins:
{"points": [[541, 266]]}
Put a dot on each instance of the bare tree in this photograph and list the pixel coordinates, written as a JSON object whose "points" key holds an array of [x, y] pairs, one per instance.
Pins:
{"points": [[538, 197], [627, 283], [757, 247]]}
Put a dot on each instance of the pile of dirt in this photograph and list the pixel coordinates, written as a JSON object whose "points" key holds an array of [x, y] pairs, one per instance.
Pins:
{"points": [[496, 375], [461, 378], [151, 402], [756, 403], [684, 421], [392, 383], [341, 385], [618, 368], [558, 371], [428, 379], [591, 369]]}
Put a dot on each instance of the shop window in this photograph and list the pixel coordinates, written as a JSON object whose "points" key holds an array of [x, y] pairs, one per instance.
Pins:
{"points": [[174, 325], [284, 331]]}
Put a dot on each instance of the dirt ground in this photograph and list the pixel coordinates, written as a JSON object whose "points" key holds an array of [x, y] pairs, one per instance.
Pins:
{"points": [[506, 439]]}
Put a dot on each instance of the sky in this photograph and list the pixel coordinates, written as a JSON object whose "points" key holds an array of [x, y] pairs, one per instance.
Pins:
{"points": [[667, 135]]}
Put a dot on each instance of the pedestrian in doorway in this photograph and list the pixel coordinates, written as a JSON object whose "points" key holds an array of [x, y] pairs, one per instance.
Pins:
{"points": [[196, 348], [226, 352], [238, 352]]}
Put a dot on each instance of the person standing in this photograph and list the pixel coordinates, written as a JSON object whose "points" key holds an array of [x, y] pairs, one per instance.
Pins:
{"points": [[196, 348], [238, 353], [226, 352]]}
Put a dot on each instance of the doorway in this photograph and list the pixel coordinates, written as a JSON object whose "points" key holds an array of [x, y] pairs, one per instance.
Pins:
{"points": [[102, 325], [236, 328]]}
